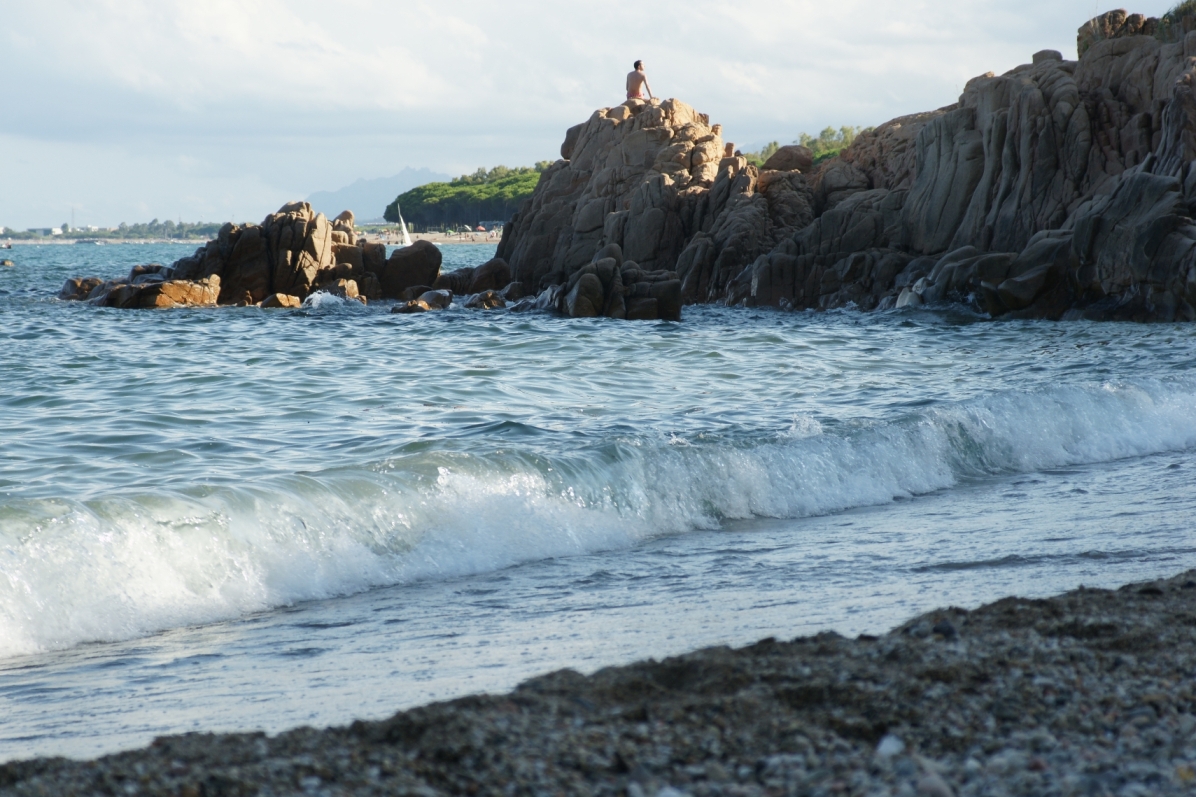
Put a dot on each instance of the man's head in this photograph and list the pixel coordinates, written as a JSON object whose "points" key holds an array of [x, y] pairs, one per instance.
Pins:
{"points": [[639, 65]]}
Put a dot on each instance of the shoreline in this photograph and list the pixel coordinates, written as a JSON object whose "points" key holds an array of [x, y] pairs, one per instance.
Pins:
{"points": [[437, 238], [1087, 692]]}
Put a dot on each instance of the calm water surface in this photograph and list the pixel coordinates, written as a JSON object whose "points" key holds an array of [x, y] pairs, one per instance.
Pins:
{"points": [[235, 519]]}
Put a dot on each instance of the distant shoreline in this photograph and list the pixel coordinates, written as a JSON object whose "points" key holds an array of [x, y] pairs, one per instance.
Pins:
{"points": [[437, 238]]}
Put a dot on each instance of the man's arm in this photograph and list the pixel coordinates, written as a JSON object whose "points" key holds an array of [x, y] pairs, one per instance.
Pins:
{"points": [[648, 88]]}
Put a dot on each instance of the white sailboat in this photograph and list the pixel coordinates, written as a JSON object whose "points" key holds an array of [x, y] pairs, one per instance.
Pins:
{"points": [[403, 227]]}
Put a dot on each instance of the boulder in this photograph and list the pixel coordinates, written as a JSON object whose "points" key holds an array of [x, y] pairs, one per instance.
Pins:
{"points": [[281, 300], [791, 158], [373, 257], [299, 244], [436, 299], [416, 291], [79, 288], [370, 287], [513, 292], [635, 176], [418, 264], [344, 288], [349, 255], [486, 300], [180, 293], [493, 275], [246, 269], [413, 306]]}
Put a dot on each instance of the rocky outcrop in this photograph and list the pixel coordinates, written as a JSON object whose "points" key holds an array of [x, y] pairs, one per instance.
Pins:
{"points": [[493, 275], [418, 264], [652, 179], [1058, 189], [292, 254]]}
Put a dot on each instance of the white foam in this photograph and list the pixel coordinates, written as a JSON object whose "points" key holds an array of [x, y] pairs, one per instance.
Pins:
{"points": [[118, 568]]}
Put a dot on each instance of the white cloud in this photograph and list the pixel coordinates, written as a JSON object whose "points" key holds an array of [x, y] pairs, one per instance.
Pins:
{"points": [[230, 107]]}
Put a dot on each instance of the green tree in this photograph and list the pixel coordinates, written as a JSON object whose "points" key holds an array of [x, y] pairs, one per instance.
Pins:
{"points": [[466, 200], [830, 142], [758, 158]]}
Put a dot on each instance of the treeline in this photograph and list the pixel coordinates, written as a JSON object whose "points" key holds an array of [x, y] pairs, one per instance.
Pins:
{"points": [[827, 144], [155, 229], [492, 195]]}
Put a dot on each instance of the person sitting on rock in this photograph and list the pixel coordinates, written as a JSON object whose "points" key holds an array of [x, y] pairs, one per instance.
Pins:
{"points": [[636, 81]]}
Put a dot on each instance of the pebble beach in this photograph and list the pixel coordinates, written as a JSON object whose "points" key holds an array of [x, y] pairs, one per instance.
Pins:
{"points": [[1086, 693]]}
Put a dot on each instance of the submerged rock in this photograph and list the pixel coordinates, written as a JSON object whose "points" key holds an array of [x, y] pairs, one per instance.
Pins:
{"points": [[277, 300]]}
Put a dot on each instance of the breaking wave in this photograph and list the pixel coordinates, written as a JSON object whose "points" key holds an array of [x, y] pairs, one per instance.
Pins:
{"points": [[129, 565]]}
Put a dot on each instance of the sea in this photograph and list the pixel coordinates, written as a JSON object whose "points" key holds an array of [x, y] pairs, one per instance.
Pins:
{"points": [[238, 519]]}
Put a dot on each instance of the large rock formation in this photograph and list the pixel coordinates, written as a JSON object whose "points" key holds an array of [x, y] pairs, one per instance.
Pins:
{"points": [[652, 179], [1058, 188], [290, 255]]}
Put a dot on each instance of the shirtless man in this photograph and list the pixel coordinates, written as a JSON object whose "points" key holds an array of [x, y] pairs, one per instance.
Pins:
{"points": [[636, 81]]}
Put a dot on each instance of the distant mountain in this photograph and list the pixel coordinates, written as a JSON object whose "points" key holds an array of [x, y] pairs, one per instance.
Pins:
{"points": [[368, 198]]}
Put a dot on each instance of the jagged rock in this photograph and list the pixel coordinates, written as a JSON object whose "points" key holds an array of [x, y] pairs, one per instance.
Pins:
{"points": [[281, 300], [792, 157], [79, 288], [246, 269], [344, 288], [413, 306], [416, 291], [343, 225], [1114, 25], [289, 253], [1057, 188], [648, 177], [513, 292], [373, 257], [180, 293], [349, 255], [300, 247], [370, 287], [492, 275], [418, 264]]}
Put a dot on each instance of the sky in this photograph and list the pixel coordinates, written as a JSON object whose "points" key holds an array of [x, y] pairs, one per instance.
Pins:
{"points": [[215, 110]]}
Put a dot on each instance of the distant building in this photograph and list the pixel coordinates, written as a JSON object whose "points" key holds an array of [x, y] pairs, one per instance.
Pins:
{"points": [[44, 230]]}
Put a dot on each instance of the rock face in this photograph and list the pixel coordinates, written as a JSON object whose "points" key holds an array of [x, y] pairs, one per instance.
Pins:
{"points": [[418, 264], [290, 255], [652, 179], [1058, 189]]}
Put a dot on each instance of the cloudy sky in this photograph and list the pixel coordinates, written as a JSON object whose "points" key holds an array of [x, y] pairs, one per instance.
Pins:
{"points": [[126, 110]]}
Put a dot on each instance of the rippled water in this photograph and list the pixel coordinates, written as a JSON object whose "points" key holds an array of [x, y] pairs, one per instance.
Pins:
{"points": [[234, 518]]}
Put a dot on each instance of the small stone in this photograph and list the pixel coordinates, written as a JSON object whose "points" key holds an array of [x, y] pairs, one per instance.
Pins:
{"points": [[932, 785], [890, 746], [945, 629]]}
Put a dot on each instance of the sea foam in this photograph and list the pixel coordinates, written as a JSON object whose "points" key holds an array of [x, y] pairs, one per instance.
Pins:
{"points": [[130, 565]]}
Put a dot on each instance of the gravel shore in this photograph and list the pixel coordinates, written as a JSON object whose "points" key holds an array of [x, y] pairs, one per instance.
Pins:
{"points": [[1088, 693]]}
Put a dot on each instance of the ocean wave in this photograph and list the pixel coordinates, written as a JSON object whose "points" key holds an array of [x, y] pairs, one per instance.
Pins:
{"points": [[130, 565]]}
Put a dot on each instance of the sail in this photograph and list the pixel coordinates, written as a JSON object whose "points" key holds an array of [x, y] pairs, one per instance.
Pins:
{"points": [[403, 226]]}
